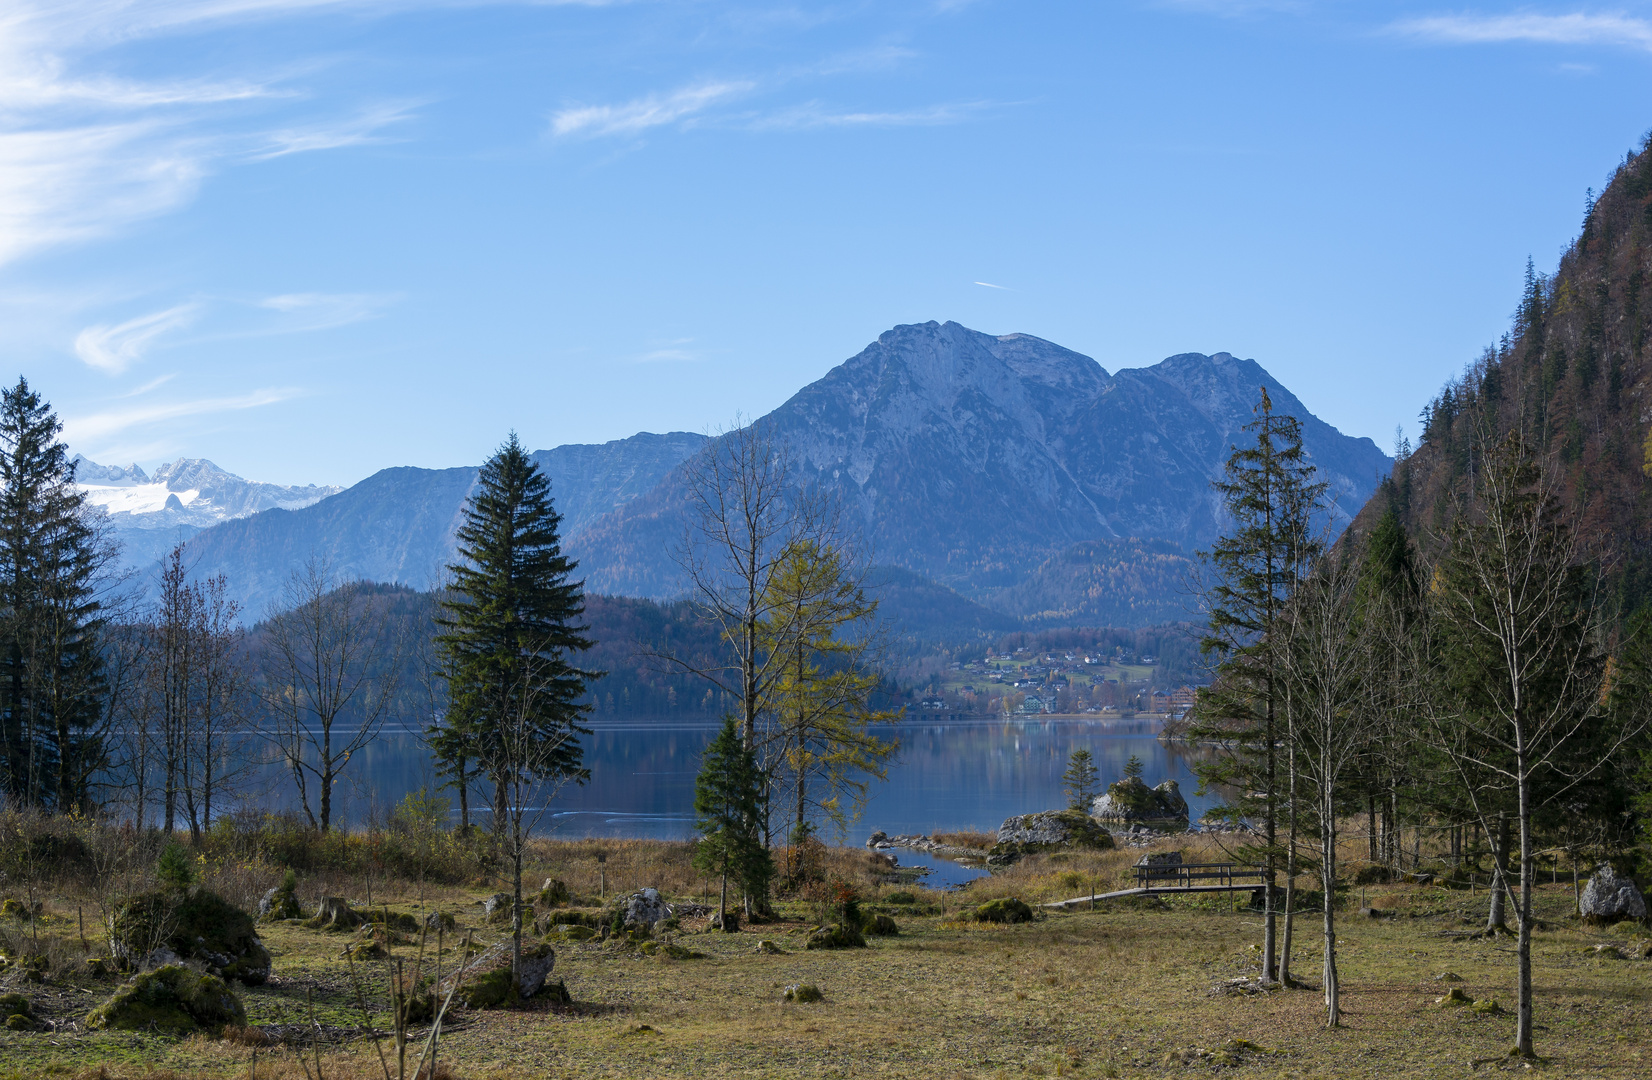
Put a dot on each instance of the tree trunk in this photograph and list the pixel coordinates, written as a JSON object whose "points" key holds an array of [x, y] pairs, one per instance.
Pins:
{"points": [[1333, 1000], [1371, 823], [1270, 915], [1496, 919], [1523, 949], [1290, 883], [516, 906]]}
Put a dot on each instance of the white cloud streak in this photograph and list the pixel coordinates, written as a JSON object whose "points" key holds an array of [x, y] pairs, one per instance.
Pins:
{"points": [[113, 349], [321, 311], [813, 115], [85, 429], [646, 112], [84, 153], [1577, 28]]}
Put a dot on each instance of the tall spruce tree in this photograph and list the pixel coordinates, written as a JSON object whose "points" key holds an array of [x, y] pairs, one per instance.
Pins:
{"points": [[1270, 494], [51, 669], [510, 626]]}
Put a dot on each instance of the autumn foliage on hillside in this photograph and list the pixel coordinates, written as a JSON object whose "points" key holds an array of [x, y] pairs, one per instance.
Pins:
{"points": [[1574, 376]]}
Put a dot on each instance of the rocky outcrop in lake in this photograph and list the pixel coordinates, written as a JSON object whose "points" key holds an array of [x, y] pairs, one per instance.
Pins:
{"points": [[1026, 834], [1131, 800]]}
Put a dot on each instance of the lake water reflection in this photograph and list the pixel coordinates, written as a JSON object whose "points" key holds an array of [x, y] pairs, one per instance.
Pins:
{"points": [[954, 774]]}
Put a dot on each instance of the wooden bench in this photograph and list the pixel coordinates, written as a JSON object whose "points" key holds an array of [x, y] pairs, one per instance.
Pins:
{"points": [[1190, 875]]}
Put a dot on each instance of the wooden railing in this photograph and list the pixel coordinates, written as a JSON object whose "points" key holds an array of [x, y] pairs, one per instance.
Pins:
{"points": [[1186, 875]]}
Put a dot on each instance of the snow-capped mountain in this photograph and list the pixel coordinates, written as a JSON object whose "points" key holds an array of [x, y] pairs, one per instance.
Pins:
{"points": [[151, 513]]}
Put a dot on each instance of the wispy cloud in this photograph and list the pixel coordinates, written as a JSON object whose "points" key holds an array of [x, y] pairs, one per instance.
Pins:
{"points": [[815, 115], [1577, 28], [367, 127], [85, 153], [321, 311], [646, 112], [113, 349], [990, 285], [80, 430]]}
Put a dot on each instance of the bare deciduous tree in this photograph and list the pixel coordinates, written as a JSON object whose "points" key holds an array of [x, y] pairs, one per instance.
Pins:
{"points": [[1523, 670], [330, 660]]}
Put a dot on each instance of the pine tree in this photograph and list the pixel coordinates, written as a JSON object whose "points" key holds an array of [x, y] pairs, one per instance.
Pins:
{"points": [[51, 668], [1080, 778], [728, 805], [1269, 491], [510, 625]]}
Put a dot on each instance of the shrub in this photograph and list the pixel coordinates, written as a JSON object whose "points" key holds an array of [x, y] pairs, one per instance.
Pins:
{"points": [[175, 868]]}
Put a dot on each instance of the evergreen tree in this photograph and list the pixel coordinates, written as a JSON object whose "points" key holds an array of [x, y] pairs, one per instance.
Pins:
{"points": [[728, 806], [1080, 779], [51, 669], [510, 626], [1269, 491]]}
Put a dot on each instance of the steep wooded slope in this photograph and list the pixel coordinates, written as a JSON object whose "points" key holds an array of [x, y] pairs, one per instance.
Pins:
{"points": [[1573, 375]]}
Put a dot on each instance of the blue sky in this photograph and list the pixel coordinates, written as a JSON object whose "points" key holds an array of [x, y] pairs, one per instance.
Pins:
{"points": [[310, 239]]}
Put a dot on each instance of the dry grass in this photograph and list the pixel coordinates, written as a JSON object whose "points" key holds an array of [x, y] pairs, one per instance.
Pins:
{"points": [[1120, 992]]}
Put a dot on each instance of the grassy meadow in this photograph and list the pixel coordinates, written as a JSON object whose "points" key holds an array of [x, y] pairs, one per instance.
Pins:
{"points": [[1135, 988]]}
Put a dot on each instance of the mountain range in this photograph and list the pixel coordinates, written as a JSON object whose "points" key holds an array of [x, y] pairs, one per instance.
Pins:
{"points": [[1019, 474]]}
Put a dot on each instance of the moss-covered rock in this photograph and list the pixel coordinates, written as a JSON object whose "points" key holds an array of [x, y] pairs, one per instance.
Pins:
{"points": [[881, 926], [554, 893], [172, 999], [281, 902], [1052, 829], [803, 993], [17, 1012], [195, 925], [489, 990], [835, 936], [569, 932], [1007, 909]]}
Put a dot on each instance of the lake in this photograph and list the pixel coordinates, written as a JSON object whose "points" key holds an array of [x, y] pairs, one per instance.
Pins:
{"points": [[949, 775]]}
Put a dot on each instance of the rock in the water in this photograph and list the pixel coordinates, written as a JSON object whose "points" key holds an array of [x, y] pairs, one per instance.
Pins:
{"points": [[537, 962], [173, 999], [1610, 898], [1132, 800], [879, 837], [644, 910], [1028, 833], [335, 913], [154, 929]]}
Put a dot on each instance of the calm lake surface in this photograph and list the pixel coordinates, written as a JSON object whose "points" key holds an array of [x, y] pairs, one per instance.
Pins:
{"points": [[954, 774]]}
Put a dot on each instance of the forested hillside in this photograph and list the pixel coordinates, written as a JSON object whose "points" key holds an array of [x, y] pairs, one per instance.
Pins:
{"points": [[1573, 375]]}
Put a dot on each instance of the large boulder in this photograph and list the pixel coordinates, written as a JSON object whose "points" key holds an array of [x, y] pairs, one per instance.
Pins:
{"points": [[644, 910], [172, 999], [1029, 833], [497, 908], [1132, 800], [1610, 898], [537, 962], [150, 930]]}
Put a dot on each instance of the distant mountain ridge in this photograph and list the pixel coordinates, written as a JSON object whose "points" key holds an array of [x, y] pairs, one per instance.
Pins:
{"points": [[1020, 474], [152, 513], [973, 458]]}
